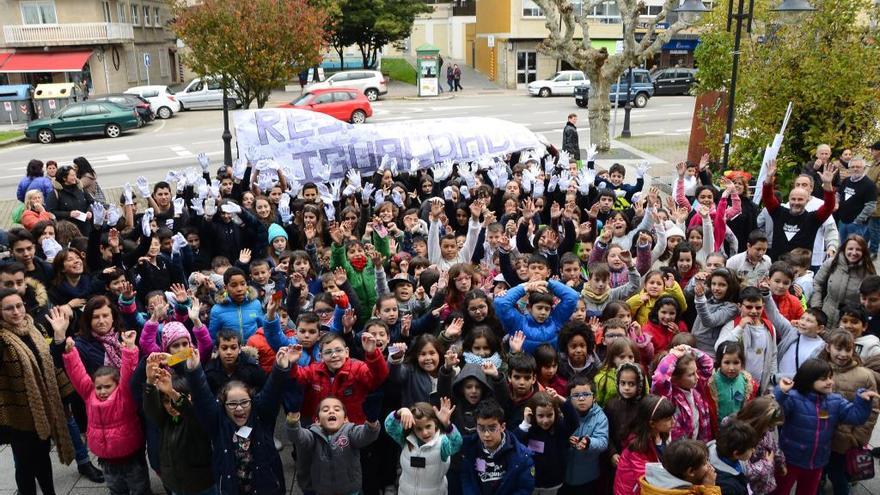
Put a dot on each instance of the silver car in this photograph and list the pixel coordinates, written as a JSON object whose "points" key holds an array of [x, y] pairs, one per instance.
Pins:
{"points": [[370, 82], [205, 92], [562, 83]]}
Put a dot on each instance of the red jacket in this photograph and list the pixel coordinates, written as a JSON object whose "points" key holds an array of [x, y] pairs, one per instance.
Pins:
{"points": [[351, 384], [789, 306], [660, 335]]}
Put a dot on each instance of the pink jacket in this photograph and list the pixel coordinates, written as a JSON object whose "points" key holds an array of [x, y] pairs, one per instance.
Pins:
{"points": [[149, 344], [683, 419], [114, 427], [719, 215], [630, 468]]}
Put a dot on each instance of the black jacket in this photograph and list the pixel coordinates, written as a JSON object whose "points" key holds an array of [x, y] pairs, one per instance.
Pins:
{"points": [[67, 199], [570, 141], [246, 371]]}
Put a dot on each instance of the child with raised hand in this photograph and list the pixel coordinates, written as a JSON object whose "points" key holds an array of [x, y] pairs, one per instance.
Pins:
{"points": [[543, 322], [548, 422], [656, 284], [730, 386], [480, 346], [428, 439], [650, 434], [767, 461], [589, 440], [339, 375], [684, 470], [115, 433], [681, 377], [185, 447], [240, 424], [756, 334], [238, 308], [849, 376], [715, 298], [331, 448], [445, 252], [174, 335], [622, 350], [358, 266], [664, 322], [417, 372], [798, 340], [812, 413]]}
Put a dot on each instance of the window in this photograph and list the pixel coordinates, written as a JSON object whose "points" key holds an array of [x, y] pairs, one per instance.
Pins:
{"points": [[120, 12], [606, 13], [157, 20], [105, 8], [342, 76], [135, 15], [95, 109], [640, 78], [132, 65], [214, 85], [163, 63], [342, 96], [38, 13], [150, 93], [72, 111], [324, 98], [531, 9], [147, 19]]}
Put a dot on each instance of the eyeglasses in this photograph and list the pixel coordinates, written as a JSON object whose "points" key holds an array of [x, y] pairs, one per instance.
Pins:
{"points": [[351, 218], [581, 395], [333, 352], [487, 429], [14, 307], [612, 336], [244, 404], [323, 311]]}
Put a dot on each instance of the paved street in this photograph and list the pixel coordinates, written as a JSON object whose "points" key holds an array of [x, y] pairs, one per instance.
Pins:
{"points": [[174, 143]]}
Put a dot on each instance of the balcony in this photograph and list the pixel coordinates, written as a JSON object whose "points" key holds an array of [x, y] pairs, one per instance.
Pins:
{"points": [[85, 33], [464, 7]]}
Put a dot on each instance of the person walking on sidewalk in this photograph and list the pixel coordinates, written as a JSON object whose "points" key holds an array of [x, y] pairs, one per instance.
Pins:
{"points": [[456, 75], [439, 71], [570, 142], [450, 77]]}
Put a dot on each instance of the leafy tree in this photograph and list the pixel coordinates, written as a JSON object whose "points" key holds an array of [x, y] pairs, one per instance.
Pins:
{"points": [[372, 24], [602, 68], [828, 64], [255, 45]]}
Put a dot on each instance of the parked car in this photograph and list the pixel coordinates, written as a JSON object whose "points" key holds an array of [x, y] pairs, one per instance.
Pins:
{"points": [[370, 82], [562, 83], [131, 102], [642, 90], [346, 104], [205, 92], [88, 117], [674, 81], [161, 98]]}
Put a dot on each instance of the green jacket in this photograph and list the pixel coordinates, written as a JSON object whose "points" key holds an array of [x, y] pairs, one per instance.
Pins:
{"points": [[363, 282]]}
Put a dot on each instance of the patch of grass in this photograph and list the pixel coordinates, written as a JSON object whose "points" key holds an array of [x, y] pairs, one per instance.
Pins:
{"points": [[5, 135], [399, 69]]}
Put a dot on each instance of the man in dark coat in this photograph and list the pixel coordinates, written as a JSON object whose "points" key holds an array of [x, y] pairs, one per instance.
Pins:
{"points": [[570, 138]]}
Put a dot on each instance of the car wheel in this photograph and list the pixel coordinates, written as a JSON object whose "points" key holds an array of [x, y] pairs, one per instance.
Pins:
{"points": [[371, 94], [164, 113], [641, 100], [358, 117], [46, 136], [112, 130], [581, 103], [545, 92]]}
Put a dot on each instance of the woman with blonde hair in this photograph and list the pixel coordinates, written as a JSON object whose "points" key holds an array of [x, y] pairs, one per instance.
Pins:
{"points": [[34, 209]]}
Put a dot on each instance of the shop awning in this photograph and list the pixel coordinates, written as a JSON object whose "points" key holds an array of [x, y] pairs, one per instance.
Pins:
{"points": [[46, 62]]}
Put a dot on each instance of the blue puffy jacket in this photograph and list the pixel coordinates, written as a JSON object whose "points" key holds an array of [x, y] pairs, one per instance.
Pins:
{"points": [[519, 477], [810, 422], [536, 333], [245, 317]]}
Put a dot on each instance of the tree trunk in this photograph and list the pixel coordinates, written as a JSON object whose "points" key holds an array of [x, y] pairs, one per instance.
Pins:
{"points": [[599, 113]]}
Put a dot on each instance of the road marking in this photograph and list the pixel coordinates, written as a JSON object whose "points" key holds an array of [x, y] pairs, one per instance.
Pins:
{"points": [[653, 133], [161, 126], [678, 113], [686, 129], [126, 164], [117, 158]]}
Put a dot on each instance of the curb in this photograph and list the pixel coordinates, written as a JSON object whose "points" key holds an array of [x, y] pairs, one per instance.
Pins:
{"points": [[13, 140], [428, 98]]}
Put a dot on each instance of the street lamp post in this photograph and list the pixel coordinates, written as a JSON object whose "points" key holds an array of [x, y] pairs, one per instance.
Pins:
{"points": [[227, 136], [627, 107]]}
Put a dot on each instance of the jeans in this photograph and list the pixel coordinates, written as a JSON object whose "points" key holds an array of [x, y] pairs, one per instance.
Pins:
{"points": [[848, 229], [79, 446], [836, 471], [32, 462], [874, 234], [129, 477], [449, 82]]}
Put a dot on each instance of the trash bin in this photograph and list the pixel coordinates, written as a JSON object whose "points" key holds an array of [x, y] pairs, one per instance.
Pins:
{"points": [[49, 98], [15, 104]]}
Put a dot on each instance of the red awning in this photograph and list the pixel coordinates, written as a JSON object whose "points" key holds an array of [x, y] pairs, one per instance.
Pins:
{"points": [[46, 62]]}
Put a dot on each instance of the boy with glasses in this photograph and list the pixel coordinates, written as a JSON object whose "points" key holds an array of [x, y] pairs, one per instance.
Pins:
{"points": [[589, 439], [492, 460]]}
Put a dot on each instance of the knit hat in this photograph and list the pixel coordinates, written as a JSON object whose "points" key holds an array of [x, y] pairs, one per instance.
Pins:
{"points": [[172, 331], [675, 230], [276, 230]]}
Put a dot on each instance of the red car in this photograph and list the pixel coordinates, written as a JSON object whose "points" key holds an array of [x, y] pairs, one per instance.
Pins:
{"points": [[345, 104]]}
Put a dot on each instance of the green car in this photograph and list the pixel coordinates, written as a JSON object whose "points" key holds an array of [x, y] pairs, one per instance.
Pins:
{"points": [[99, 117]]}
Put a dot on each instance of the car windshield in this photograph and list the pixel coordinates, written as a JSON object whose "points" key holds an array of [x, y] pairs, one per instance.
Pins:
{"points": [[169, 90], [554, 76], [302, 100]]}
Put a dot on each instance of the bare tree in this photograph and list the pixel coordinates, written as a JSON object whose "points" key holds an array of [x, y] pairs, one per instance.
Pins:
{"points": [[602, 68]]}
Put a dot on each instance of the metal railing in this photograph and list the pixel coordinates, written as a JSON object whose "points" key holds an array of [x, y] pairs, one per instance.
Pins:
{"points": [[85, 33]]}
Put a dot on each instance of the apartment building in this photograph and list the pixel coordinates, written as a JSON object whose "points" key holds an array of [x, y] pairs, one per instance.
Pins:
{"points": [[110, 44], [450, 27]]}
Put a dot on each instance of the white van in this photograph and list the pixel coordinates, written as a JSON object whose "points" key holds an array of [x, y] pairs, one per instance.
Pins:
{"points": [[205, 92]]}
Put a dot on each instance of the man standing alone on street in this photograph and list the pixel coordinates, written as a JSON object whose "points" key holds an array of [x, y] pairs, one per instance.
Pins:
{"points": [[570, 138]]}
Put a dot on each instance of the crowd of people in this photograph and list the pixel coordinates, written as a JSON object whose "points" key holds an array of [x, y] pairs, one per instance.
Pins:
{"points": [[519, 324]]}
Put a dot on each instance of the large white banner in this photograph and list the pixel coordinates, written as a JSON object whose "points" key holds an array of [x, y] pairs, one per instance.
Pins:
{"points": [[310, 142]]}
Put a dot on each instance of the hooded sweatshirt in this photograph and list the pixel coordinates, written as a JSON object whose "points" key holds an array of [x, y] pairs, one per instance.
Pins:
{"points": [[730, 473], [621, 412], [658, 481]]}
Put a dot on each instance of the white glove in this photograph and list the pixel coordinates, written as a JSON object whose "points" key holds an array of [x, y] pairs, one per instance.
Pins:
{"points": [[395, 197], [231, 208], [204, 161], [388, 163], [295, 186], [181, 181], [642, 168], [51, 247], [367, 191], [284, 213], [143, 186], [564, 180], [127, 193], [251, 154], [264, 182], [192, 175], [485, 162], [500, 179], [330, 211], [98, 213], [349, 191], [238, 169], [414, 165], [592, 153], [336, 189], [145, 222], [215, 188], [178, 242], [284, 200], [354, 180], [324, 193], [442, 171], [538, 189], [527, 179], [197, 205], [447, 193], [113, 215], [272, 164], [564, 159], [171, 176], [468, 176], [548, 164], [554, 181], [201, 187], [210, 207], [379, 198], [179, 204], [465, 192]]}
